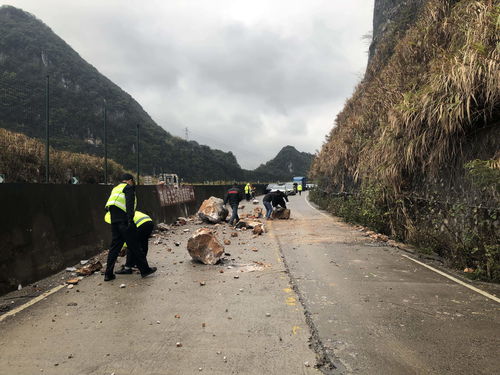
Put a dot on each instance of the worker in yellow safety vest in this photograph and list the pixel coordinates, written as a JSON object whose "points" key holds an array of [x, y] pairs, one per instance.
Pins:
{"points": [[145, 226], [121, 206], [248, 189], [299, 189]]}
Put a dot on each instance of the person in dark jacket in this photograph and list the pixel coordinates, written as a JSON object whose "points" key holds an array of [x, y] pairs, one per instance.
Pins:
{"points": [[233, 197], [267, 201], [279, 199], [121, 205]]}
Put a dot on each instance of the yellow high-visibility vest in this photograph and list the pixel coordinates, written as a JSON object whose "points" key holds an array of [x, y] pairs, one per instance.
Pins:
{"points": [[139, 218], [299, 187], [247, 188], [117, 198]]}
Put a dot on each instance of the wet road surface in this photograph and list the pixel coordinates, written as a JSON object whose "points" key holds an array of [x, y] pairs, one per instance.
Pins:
{"points": [[373, 311], [311, 291]]}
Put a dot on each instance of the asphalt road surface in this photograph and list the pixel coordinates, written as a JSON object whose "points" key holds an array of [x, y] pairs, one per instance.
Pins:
{"points": [[374, 311], [313, 291]]}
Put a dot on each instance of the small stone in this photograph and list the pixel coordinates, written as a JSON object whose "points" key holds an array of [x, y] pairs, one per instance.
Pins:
{"points": [[307, 364], [178, 344], [122, 285], [234, 234], [219, 352], [221, 271], [72, 304], [236, 277], [200, 369], [203, 325], [268, 315], [177, 316], [70, 356], [202, 283], [227, 242], [177, 243], [241, 290], [71, 286]]}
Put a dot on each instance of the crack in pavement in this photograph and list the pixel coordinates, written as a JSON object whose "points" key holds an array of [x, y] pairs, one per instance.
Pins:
{"points": [[327, 363]]}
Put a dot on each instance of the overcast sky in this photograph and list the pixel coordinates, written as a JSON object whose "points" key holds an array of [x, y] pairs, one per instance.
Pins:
{"points": [[242, 76]]}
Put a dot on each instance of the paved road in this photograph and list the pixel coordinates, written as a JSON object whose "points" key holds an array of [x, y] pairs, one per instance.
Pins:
{"points": [[376, 312], [332, 296], [102, 329]]}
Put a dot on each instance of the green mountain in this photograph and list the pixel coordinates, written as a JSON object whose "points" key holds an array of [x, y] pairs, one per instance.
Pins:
{"points": [[288, 163], [29, 51]]}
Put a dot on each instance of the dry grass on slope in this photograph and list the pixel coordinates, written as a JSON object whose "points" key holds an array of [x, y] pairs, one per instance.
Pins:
{"points": [[22, 159], [412, 118]]}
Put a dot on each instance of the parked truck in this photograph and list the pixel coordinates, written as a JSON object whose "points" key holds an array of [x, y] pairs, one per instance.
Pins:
{"points": [[300, 181]]}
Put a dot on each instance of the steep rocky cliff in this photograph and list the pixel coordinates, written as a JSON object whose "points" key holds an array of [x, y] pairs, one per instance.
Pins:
{"points": [[416, 147]]}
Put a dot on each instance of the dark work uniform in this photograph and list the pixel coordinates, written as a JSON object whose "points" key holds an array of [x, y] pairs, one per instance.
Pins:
{"points": [[233, 197], [279, 199], [124, 230], [143, 233]]}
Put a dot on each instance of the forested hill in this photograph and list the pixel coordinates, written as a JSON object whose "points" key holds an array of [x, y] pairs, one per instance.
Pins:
{"points": [[29, 51], [288, 163]]}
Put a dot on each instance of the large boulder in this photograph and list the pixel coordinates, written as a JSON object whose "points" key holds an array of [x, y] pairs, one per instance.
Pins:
{"points": [[281, 213], [212, 210], [204, 247]]}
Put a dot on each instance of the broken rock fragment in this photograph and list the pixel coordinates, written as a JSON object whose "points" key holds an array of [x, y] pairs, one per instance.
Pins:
{"points": [[257, 212], [204, 247], [248, 223], [162, 227], [212, 210], [258, 229], [89, 268]]}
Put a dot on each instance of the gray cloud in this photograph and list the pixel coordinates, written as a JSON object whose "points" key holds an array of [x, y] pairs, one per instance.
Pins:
{"points": [[247, 77]]}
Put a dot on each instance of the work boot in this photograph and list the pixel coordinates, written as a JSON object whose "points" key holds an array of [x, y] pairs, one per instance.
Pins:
{"points": [[151, 270], [109, 277], [124, 271]]}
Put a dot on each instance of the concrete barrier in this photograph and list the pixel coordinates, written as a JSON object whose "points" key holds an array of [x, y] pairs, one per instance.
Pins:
{"points": [[45, 228]]}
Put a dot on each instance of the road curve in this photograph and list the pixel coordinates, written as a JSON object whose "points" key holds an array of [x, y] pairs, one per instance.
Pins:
{"points": [[374, 311]]}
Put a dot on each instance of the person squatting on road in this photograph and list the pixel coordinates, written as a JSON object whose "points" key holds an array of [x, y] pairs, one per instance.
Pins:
{"points": [[233, 197], [279, 198], [145, 226], [121, 206]]}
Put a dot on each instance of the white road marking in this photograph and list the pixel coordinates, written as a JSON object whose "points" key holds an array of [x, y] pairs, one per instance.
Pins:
{"points": [[32, 302], [482, 292], [314, 208]]}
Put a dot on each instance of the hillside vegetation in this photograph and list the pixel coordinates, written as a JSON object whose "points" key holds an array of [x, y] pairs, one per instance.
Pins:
{"points": [[29, 51], [22, 159], [289, 162], [415, 151]]}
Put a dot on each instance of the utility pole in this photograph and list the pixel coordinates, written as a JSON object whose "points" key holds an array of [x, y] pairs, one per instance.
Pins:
{"points": [[47, 130], [137, 150], [187, 133], [105, 145]]}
